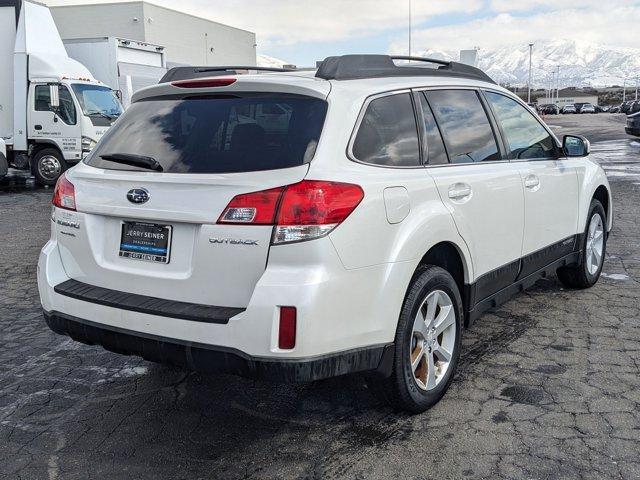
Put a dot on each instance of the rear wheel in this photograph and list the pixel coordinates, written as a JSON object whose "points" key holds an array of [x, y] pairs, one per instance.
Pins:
{"points": [[427, 343], [47, 165], [586, 273]]}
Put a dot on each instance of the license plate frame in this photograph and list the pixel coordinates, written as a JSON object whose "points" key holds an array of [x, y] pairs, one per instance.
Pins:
{"points": [[139, 241]]}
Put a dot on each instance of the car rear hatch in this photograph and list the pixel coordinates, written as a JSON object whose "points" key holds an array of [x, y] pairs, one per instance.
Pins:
{"points": [[156, 233]]}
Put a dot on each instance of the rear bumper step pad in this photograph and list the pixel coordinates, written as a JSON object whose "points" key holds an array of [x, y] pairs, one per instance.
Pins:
{"points": [[145, 304]]}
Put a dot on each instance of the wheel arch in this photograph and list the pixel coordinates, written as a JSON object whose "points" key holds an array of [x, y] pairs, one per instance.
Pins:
{"points": [[603, 195], [452, 258]]}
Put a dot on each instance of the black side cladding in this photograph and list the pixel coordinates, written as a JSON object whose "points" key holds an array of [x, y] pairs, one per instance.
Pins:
{"points": [[351, 67]]}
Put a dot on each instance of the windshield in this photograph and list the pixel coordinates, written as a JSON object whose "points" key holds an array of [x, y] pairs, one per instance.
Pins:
{"points": [[216, 134], [97, 100]]}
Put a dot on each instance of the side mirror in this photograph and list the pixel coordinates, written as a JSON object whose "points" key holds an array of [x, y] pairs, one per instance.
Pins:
{"points": [[575, 146], [54, 96]]}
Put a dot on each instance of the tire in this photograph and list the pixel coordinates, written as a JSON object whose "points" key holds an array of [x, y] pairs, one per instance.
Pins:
{"points": [[416, 392], [47, 165], [587, 272]]}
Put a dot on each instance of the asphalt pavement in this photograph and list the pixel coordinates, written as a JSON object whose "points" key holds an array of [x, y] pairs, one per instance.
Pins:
{"points": [[548, 385]]}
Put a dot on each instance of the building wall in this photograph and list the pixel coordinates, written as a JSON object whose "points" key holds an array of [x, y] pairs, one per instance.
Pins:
{"points": [[197, 41], [188, 39], [566, 100], [100, 20]]}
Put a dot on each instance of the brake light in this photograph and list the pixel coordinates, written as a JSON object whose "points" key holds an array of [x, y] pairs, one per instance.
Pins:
{"points": [[303, 211], [204, 82], [64, 194]]}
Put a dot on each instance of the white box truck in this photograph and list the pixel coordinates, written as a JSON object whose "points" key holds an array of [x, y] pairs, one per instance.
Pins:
{"points": [[52, 110], [124, 65]]}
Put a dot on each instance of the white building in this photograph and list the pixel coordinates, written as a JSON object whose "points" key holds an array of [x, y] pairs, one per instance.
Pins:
{"points": [[187, 39]]}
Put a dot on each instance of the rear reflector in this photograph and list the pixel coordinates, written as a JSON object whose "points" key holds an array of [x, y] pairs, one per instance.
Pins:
{"points": [[287, 329], [64, 194], [204, 82], [303, 211]]}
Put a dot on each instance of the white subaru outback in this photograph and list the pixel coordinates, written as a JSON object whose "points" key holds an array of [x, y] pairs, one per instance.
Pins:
{"points": [[297, 226]]}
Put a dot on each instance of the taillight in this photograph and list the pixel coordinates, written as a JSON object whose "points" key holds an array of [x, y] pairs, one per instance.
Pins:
{"points": [[256, 208], [303, 211], [64, 194]]}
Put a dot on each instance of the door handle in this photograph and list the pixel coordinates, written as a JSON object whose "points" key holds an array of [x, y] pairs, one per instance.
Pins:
{"points": [[458, 191], [37, 127], [532, 181]]}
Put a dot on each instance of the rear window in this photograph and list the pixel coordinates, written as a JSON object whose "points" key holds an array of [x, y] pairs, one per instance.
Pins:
{"points": [[216, 134]]}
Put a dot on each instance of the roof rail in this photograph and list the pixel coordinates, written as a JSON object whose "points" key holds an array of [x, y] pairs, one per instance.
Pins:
{"points": [[351, 67], [186, 73]]}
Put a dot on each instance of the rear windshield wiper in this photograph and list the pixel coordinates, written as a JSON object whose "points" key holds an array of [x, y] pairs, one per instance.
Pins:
{"points": [[134, 160]]}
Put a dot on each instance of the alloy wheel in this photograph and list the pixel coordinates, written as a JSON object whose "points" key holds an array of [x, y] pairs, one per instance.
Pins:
{"points": [[432, 340]]}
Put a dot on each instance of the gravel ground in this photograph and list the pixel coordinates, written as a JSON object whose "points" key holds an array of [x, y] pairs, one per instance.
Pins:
{"points": [[548, 385]]}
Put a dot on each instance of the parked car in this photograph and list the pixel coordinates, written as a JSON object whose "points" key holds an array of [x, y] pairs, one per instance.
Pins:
{"points": [[625, 107], [587, 108], [614, 109], [549, 109], [338, 243], [601, 109], [569, 109], [633, 124], [634, 108]]}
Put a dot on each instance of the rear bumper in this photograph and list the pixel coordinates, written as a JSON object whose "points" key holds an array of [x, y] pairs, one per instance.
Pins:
{"points": [[633, 131], [209, 358]]}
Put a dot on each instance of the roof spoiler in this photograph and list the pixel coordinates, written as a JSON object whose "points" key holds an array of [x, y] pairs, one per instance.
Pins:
{"points": [[351, 67], [186, 73]]}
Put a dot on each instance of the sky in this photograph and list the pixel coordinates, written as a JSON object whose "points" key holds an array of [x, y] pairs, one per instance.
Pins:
{"points": [[303, 31]]}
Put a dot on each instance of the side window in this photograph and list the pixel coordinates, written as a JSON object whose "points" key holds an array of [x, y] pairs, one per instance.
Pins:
{"points": [[525, 136], [435, 153], [67, 109], [388, 134], [464, 125]]}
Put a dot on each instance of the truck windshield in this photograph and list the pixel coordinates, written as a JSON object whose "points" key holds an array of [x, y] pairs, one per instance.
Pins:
{"points": [[243, 132], [97, 100]]}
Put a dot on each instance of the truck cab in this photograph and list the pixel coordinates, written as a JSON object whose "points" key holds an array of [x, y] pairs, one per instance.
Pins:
{"points": [[65, 119]]}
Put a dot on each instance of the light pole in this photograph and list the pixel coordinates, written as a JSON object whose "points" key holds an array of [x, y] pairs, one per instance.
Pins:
{"points": [[636, 89], [558, 85], [624, 90], [529, 85], [409, 27]]}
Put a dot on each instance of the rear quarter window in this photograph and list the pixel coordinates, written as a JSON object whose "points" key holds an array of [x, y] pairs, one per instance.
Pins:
{"points": [[217, 134], [388, 134]]}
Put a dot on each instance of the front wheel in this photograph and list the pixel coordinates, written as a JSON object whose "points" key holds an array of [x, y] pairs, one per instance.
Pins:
{"points": [[47, 165], [594, 244], [427, 343]]}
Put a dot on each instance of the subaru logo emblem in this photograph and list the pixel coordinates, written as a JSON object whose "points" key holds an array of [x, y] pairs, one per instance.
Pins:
{"points": [[138, 195]]}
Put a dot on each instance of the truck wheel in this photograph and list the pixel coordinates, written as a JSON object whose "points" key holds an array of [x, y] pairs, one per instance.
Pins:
{"points": [[594, 244], [427, 343], [47, 165]]}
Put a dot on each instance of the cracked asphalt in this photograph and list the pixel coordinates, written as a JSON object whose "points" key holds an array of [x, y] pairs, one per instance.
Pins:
{"points": [[548, 385]]}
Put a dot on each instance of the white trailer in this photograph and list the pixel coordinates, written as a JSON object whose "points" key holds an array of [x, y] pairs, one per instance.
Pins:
{"points": [[124, 65], [52, 110]]}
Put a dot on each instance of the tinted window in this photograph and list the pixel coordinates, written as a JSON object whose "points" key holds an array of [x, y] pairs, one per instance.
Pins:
{"points": [[464, 125], [525, 136], [388, 134], [434, 146], [220, 134], [66, 111]]}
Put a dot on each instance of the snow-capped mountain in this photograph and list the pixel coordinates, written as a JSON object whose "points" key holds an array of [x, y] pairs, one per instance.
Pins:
{"points": [[581, 63]]}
